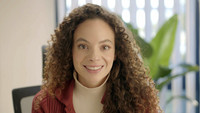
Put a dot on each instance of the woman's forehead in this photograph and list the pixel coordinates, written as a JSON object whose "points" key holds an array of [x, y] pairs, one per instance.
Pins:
{"points": [[94, 29]]}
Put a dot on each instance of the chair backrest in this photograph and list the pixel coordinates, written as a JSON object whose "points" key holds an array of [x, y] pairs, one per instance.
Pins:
{"points": [[22, 98], [44, 47]]}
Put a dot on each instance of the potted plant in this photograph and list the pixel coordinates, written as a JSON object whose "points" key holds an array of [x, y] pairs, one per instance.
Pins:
{"points": [[156, 55]]}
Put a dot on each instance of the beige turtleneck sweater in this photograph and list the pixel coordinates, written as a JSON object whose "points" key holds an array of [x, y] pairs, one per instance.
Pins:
{"points": [[88, 100]]}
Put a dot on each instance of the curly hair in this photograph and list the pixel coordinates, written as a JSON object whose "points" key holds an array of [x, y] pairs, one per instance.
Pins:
{"points": [[129, 89]]}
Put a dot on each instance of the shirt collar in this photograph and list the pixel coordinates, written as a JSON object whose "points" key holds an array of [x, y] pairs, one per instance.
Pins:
{"points": [[66, 95]]}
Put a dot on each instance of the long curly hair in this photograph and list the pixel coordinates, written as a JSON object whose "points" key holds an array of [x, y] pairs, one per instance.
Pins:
{"points": [[129, 89]]}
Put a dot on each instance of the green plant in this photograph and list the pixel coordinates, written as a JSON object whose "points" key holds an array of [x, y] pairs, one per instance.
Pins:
{"points": [[157, 53]]}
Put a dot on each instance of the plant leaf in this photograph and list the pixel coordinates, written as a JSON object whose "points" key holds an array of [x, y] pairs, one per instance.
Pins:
{"points": [[193, 101], [132, 29], [170, 78], [145, 47], [162, 72], [162, 45], [189, 66]]}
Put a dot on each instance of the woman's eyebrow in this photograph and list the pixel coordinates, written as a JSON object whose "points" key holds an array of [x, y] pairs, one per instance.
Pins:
{"points": [[84, 40], [106, 40], [81, 40]]}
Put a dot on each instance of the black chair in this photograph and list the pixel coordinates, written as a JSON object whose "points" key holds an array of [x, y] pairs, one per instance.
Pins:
{"points": [[43, 57], [22, 98]]}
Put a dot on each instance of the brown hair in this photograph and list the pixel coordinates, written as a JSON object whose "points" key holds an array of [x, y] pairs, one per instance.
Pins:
{"points": [[129, 88]]}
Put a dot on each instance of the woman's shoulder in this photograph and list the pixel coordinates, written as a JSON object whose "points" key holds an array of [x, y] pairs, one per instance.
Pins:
{"points": [[41, 96], [44, 103]]}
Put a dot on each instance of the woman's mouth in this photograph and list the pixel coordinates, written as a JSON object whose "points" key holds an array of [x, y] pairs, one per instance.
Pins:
{"points": [[94, 69]]}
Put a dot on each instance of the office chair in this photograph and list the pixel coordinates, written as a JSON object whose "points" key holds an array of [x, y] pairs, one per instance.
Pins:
{"points": [[22, 97], [43, 57]]}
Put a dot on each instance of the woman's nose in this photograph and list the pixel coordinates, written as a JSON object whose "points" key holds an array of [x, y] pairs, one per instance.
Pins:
{"points": [[94, 55]]}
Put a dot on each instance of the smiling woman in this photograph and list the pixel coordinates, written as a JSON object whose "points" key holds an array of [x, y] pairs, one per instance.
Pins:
{"points": [[93, 66], [93, 51]]}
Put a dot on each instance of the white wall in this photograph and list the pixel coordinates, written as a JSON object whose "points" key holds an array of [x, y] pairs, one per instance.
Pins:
{"points": [[25, 25]]}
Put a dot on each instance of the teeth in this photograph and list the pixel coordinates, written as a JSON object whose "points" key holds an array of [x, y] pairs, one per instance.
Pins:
{"points": [[94, 68]]}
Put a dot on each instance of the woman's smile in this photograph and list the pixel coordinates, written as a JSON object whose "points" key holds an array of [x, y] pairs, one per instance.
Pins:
{"points": [[93, 68]]}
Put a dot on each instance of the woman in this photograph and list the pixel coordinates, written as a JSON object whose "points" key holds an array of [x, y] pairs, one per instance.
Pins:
{"points": [[93, 66]]}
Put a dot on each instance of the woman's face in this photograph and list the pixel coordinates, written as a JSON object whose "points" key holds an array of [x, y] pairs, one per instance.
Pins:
{"points": [[93, 52]]}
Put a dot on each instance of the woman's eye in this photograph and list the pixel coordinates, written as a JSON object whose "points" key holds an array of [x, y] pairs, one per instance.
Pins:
{"points": [[106, 47], [81, 46]]}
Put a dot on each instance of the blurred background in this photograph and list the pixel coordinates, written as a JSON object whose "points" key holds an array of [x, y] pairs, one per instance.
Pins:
{"points": [[26, 25]]}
